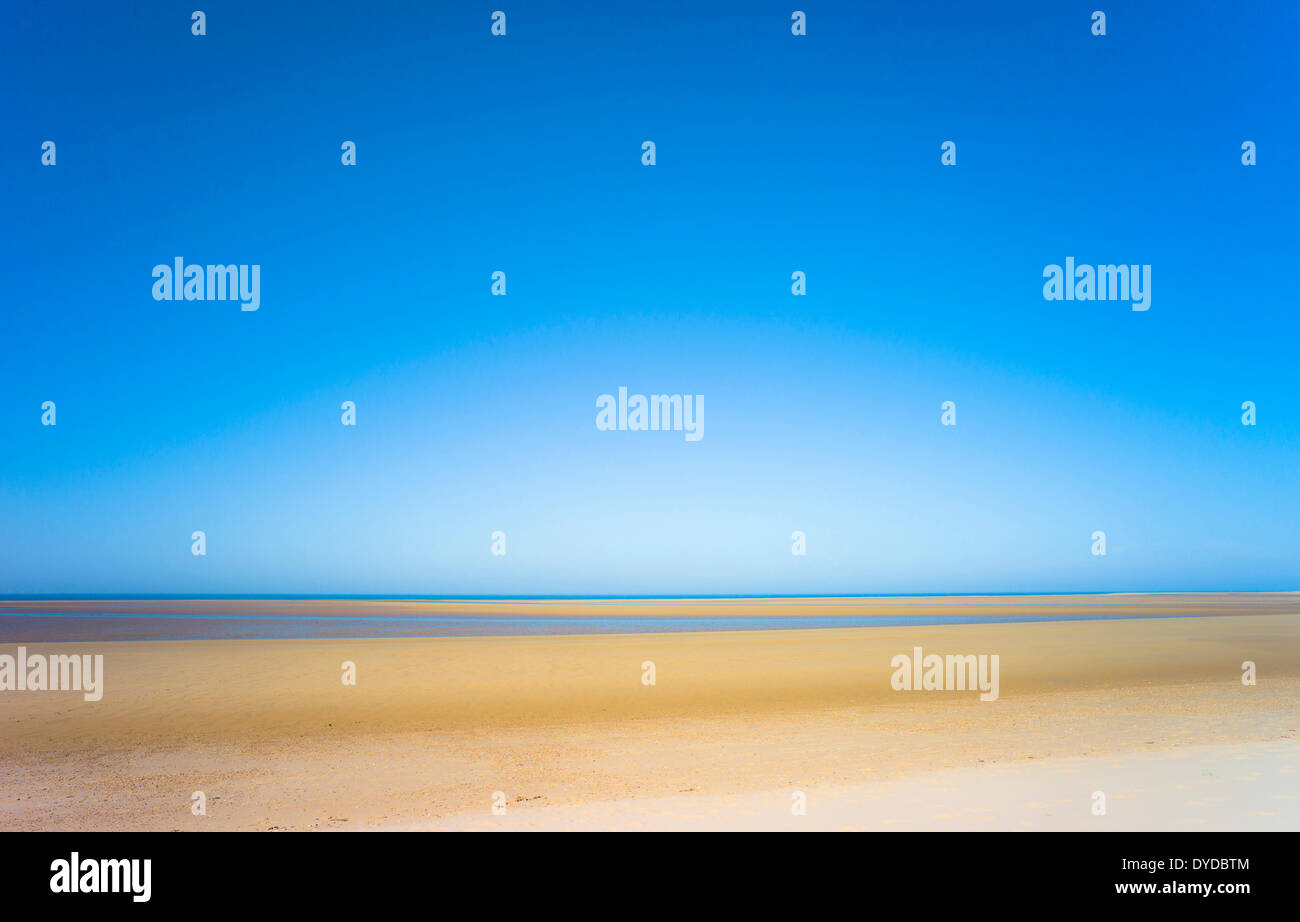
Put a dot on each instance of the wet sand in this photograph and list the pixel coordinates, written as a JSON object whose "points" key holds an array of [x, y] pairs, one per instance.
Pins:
{"points": [[435, 727], [1017, 606]]}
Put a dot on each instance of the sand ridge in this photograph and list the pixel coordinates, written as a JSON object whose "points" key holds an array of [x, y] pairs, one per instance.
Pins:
{"points": [[1178, 604]]}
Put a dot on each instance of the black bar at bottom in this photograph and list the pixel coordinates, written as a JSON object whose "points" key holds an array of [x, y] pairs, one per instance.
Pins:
{"points": [[316, 872]]}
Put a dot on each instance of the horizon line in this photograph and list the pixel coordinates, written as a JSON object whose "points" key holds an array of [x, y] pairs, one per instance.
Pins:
{"points": [[417, 597]]}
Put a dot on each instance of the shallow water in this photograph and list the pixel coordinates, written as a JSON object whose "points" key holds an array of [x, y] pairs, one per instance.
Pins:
{"points": [[68, 628]]}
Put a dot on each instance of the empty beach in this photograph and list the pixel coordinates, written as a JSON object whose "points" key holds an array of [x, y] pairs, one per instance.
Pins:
{"points": [[556, 729]]}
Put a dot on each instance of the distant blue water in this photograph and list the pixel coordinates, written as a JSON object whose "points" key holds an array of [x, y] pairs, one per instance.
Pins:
{"points": [[424, 597], [67, 627]]}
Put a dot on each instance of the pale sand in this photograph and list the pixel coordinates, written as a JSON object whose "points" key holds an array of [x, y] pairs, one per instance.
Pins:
{"points": [[1225, 788], [435, 726]]}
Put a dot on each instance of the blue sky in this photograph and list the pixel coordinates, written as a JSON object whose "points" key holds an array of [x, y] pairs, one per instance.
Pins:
{"points": [[774, 153]]}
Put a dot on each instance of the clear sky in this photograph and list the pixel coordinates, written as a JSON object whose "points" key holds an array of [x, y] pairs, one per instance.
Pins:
{"points": [[522, 153]]}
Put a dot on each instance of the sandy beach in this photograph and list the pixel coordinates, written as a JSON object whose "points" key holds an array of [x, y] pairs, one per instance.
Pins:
{"points": [[1223, 788], [567, 732]]}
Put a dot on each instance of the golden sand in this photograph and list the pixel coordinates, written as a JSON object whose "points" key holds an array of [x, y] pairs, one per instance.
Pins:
{"points": [[434, 727]]}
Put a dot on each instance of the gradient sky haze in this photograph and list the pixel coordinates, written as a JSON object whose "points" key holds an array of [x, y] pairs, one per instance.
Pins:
{"points": [[775, 153]]}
